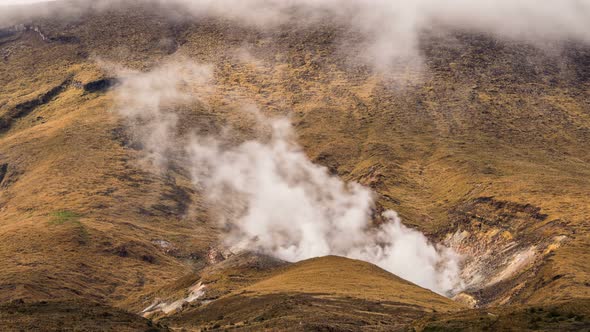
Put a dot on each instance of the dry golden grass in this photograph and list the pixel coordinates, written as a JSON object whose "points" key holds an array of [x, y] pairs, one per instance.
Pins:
{"points": [[321, 293], [476, 125], [558, 316], [334, 276]]}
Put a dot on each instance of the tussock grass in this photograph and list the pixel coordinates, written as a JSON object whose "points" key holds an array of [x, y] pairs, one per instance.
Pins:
{"points": [[64, 216]]}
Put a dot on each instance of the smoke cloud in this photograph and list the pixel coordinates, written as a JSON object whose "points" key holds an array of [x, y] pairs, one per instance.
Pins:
{"points": [[267, 195]]}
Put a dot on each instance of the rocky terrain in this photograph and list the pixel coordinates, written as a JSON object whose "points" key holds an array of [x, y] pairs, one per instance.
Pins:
{"points": [[484, 150]]}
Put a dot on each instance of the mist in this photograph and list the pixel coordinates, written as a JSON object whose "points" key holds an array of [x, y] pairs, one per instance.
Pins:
{"points": [[147, 101], [264, 193], [389, 29]]}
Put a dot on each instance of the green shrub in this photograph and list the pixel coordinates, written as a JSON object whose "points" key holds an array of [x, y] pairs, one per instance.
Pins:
{"points": [[64, 216]]}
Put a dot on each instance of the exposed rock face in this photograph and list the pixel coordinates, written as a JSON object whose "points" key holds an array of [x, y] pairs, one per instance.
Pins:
{"points": [[503, 244], [195, 292], [215, 255]]}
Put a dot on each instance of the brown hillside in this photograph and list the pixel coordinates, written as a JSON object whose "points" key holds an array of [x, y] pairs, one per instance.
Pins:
{"points": [[484, 150]]}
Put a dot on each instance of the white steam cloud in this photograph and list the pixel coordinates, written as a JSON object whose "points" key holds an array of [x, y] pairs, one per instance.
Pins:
{"points": [[269, 196], [283, 204]]}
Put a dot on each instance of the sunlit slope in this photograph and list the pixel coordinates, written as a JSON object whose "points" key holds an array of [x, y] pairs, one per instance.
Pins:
{"points": [[80, 217], [322, 293], [489, 137]]}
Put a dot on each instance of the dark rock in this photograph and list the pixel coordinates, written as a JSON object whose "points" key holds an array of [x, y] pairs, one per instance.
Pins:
{"points": [[3, 171], [100, 85]]}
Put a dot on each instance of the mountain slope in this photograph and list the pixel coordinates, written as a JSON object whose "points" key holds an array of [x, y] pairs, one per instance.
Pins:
{"points": [[485, 150]]}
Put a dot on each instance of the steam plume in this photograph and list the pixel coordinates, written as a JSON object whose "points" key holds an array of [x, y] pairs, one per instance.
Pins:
{"points": [[272, 197], [283, 204]]}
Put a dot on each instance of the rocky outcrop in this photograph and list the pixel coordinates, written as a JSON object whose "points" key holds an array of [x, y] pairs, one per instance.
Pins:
{"points": [[25, 108], [100, 85], [502, 244]]}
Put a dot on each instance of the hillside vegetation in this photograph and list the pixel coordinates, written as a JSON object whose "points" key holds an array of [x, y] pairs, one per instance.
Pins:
{"points": [[485, 149]]}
